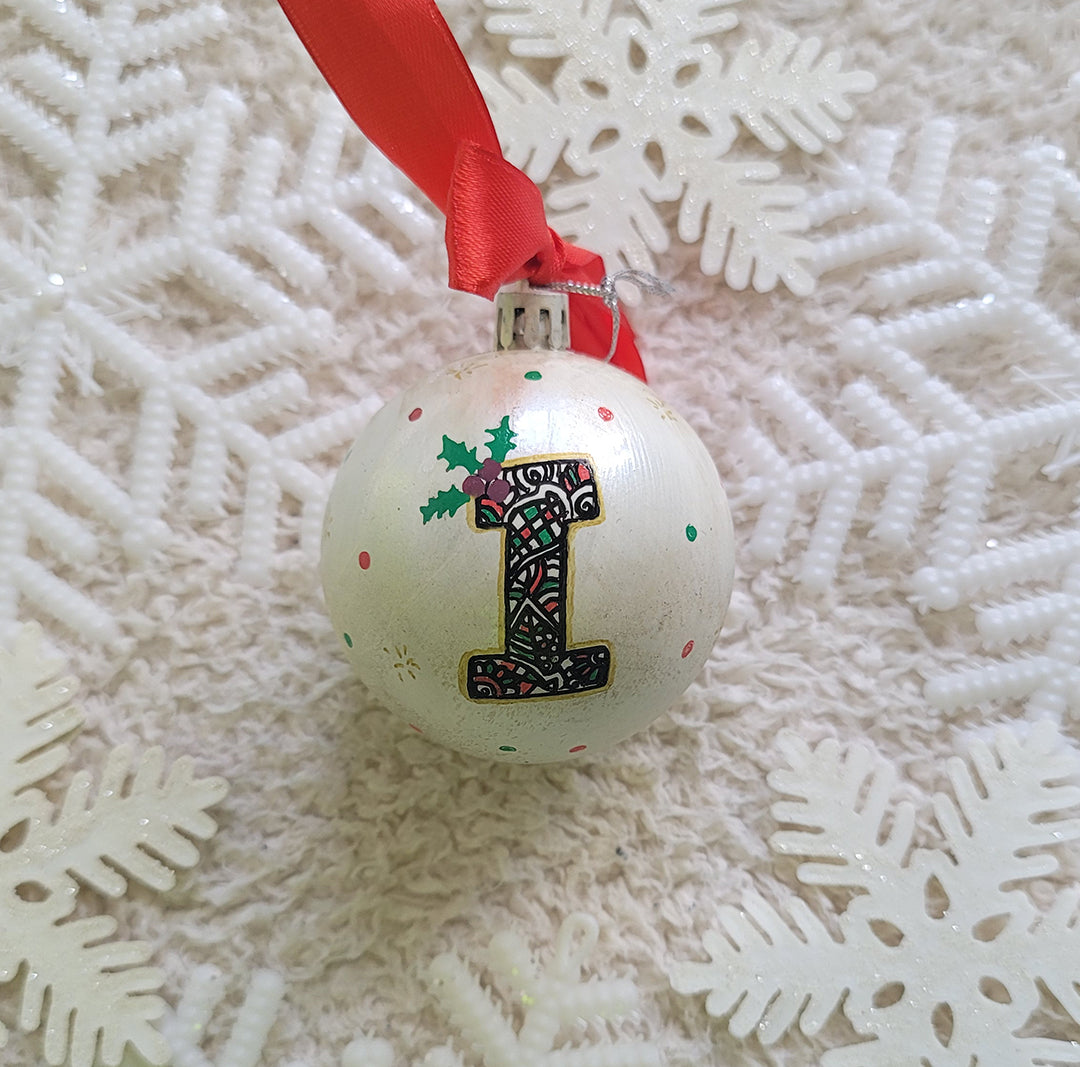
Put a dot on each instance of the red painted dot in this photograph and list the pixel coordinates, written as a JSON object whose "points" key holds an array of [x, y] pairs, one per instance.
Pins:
{"points": [[687, 649], [415, 414], [416, 728], [605, 413], [579, 748], [364, 559]]}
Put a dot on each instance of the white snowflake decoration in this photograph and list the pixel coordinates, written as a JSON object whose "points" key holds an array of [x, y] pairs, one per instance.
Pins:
{"points": [[100, 93], [91, 993], [927, 432], [644, 110], [185, 1028], [551, 999], [941, 951]]}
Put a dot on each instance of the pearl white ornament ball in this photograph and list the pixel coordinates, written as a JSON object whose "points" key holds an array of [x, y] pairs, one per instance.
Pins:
{"points": [[527, 556]]}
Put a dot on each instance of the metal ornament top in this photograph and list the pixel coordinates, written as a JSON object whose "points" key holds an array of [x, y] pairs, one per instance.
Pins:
{"points": [[535, 319]]}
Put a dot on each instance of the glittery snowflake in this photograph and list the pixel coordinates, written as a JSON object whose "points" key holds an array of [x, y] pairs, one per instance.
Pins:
{"points": [[88, 992], [129, 192], [644, 110], [552, 1000], [941, 953], [920, 433]]}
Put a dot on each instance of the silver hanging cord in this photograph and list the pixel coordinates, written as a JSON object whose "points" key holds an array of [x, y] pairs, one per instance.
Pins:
{"points": [[647, 283]]}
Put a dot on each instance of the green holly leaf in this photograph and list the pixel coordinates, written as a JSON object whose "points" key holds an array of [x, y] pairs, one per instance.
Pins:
{"points": [[457, 455], [502, 440], [445, 503]]}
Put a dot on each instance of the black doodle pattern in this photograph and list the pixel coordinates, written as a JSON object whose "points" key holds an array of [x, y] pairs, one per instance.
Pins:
{"points": [[547, 497]]}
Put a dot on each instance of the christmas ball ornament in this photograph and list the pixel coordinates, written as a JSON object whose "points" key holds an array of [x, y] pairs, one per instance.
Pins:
{"points": [[527, 555]]}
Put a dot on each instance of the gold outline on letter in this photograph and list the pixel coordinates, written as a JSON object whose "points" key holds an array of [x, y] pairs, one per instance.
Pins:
{"points": [[571, 575]]}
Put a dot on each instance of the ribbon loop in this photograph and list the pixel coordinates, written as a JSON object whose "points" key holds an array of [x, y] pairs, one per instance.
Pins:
{"points": [[496, 231], [398, 71]]}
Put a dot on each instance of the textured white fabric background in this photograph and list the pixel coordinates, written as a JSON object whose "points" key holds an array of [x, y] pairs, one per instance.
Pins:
{"points": [[351, 853]]}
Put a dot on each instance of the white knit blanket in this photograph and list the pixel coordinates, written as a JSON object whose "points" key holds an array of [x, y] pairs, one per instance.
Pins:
{"points": [[856, 826]]}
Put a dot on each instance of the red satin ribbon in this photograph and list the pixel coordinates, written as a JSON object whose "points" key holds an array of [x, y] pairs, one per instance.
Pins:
{"points": [[399, 72]]}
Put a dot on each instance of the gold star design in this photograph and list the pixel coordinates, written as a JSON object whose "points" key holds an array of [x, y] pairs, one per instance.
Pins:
{"points": [[404, 663]]}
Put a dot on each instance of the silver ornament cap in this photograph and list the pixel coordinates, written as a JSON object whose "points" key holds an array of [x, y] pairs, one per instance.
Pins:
{"points": [[536, 320]]}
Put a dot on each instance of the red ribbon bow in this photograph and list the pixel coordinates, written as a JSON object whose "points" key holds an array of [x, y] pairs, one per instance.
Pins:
{"points": [[399, 73]]}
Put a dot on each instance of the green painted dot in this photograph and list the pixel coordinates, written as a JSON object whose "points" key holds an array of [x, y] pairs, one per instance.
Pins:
{"points": [[533, 375], [691, 533], [348, 640], [507, 748]]}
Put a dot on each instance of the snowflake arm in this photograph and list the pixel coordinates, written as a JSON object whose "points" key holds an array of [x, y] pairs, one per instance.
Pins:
{"points": [[46, 77], [575, 942], [788, 93], [471, 1010], [36, 714], [73, 29], [1010, 805], [84, 987], [629, 231], [174, 32], [840, 806], [768, 970], [732, 208], [152, 139], [144, 831], [534, 26], [552, 998], [1050, 682], [697, 20], [29, 128], [545, 30], [512, 94], [148, 90], [185, 1029]]}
